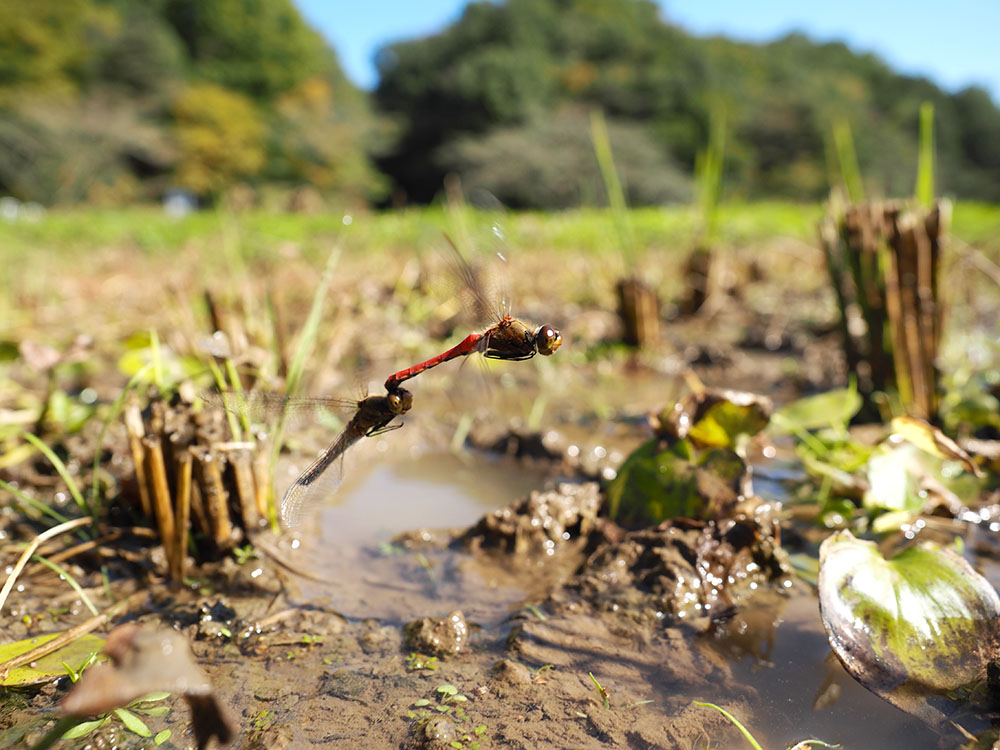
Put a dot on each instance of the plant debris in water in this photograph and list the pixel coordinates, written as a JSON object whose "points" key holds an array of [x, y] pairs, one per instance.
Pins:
{"points": [[911, 628]]}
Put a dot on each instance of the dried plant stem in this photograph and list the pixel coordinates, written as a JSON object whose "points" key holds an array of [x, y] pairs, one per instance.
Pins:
{"points": [[214, 496], [183, 461], [30, 550], [136, 432], [245, 491], [157, 472], [261, 467]]}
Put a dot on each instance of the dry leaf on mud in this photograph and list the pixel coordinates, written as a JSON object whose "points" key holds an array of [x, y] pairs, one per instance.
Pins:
{"points": [[145, 662]]}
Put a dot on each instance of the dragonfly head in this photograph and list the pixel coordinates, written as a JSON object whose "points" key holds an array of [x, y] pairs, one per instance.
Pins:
{"points": [[400, 400], [547, 340]]}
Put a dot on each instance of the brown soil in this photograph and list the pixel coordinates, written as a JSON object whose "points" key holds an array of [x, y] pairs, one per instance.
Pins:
{"points": [[550, 593]]}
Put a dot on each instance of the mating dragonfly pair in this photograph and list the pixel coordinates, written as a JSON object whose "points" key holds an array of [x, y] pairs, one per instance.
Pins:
{"points": [[507, 338]]}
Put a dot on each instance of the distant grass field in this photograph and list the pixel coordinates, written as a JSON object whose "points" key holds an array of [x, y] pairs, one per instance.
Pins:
{"points": [[589, 231]]}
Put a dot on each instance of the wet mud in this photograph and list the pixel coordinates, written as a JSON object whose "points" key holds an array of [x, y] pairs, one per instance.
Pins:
{"points": [[489, 573]]}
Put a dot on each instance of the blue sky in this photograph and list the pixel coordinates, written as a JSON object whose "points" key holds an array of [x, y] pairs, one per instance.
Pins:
{"points": [[954, 44]]}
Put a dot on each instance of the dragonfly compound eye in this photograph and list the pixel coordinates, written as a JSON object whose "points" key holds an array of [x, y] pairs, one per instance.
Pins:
{"points": [[400, 401], [547, 339]]}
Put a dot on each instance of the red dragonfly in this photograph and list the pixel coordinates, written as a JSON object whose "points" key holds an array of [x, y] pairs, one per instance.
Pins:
{"points": [[372, 416], [508, 338]]}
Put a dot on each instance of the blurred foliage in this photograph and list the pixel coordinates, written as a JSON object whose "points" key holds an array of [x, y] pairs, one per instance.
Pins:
{"points": [[219, 136], [310, 140], [504, 66], [498, 97], [113, 101], [550, 162]]}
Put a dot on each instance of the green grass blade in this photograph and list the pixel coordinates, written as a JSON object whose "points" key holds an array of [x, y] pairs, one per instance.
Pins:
{"points": [[311, 327], [297, 366], [925, 156], [60, 468], [112, 415], [70, 580], [32, 502], [847, 158], [735, 722], [708, 174], [157, 356], [612, 185]]}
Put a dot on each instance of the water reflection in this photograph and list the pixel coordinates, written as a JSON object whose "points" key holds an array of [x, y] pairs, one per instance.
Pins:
{"points": [[369, 577], [802, 688]]}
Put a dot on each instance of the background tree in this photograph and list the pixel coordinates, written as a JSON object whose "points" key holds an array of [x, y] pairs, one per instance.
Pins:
{"points": [[220, 138], [503, 66]]}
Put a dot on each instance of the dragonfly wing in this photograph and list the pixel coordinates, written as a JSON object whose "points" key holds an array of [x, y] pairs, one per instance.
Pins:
{"points": [[266, 407], [478, 297], [318, 482]]}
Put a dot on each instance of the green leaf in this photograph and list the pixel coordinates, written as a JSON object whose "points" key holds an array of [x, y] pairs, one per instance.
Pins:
{"points": [[84, 728], [726, 420], [654, 484], [892, 483], [160, 737], [931, 439], [154, 710], [448, 690], [924, 618], [153, 697], [50, 667], [830, 409], [133, 723]]}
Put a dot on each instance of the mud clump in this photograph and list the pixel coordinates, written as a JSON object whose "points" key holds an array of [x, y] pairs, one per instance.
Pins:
{"points": [[540, 523], [683, 571], [438, 732], [446, 636]]}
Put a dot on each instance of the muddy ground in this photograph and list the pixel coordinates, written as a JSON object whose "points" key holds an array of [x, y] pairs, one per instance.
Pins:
{"points": [[525, 604]]}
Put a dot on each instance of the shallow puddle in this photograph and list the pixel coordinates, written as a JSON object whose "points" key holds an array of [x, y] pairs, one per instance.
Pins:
{"points": [[436, 491], [780, 661], [779, 647], [370, 577]]}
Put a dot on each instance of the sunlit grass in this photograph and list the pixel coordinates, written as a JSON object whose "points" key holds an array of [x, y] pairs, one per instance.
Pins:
{"points": [[418, 230]]}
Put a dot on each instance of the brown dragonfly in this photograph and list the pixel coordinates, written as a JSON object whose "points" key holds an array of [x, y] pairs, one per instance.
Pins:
{"points": [[507, 338], [371, 416]]}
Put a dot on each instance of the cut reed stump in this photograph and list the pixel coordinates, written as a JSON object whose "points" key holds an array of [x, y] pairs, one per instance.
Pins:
{"points": [[883, 260], [203, 490], [639, 310]]}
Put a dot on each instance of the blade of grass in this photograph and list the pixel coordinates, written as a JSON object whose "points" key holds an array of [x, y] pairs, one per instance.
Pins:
{"points": [[231, 418], [600, 689], [297, 366], [33, 503], [735, 722], [112, 415], [69, 579], [157, 357], [708, 173], [35, 543], [847, 158], [925, 156], [613, 186], [61, 469], [311, 327]]}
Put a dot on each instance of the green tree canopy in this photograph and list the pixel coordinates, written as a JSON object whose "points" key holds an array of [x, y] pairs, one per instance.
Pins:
{"points": [[509, 64], [118, 99]]}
